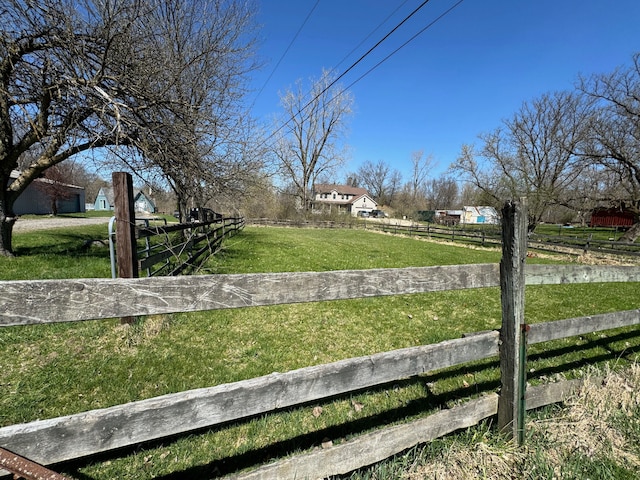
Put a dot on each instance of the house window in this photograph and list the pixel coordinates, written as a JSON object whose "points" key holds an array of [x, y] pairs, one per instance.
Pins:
{"points": [[334, 196]]}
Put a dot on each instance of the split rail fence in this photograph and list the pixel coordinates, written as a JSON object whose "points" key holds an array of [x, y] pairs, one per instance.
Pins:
{"points": [[167, 249], [490, 235], [484, 235], [84, 434]]}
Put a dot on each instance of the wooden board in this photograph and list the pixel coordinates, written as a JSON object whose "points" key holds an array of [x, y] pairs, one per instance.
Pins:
{"points": [[76, 436], [563, 274], [374, 447], [47, 301], [543, 332]]}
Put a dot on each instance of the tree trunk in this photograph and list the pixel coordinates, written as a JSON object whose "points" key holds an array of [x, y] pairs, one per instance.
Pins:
{"points": [[7, 220], [632, 234]]}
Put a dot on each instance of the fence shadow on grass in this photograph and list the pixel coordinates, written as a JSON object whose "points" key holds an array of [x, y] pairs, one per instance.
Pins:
{"points": [[255, 457], [410, 409]]}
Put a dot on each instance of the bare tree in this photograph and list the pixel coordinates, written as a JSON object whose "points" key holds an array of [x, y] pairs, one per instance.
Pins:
{"points": [[82, 74], [308, 144], [421, 166], [375, 178], [395, 184], [531, 155], [614, 134], [442, 193]]}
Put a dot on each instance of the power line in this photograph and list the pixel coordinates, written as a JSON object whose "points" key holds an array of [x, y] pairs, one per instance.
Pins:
{"points": [[295, 37], [399, 48], [353, 65], [370, 34], [366, 54]]}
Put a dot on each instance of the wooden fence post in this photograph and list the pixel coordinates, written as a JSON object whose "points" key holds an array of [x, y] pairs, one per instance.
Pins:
{"points": [[511, 404], [126, 250]]}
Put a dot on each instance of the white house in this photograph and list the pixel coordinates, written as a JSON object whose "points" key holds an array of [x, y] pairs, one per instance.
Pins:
{"points": [[342, 198], [480, 215]]}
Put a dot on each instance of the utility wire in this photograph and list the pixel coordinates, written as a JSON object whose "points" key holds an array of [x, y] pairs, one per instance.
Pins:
{"points": [[366, 54], [397, 50], [370, 34], [295, 37], [353, 65]]}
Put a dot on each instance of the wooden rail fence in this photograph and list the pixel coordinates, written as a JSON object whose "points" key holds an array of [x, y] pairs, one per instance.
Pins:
{"points": [[177, 248], [87, 433], [483, 235]]}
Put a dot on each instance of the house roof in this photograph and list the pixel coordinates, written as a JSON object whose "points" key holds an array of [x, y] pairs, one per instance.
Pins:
{"points": [[355, 199], [107, 192], [148, 199], [16, 173], [340, 189]]}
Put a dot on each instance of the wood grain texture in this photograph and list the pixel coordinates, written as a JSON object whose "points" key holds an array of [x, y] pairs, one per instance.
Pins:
{"points": [[376, 446], [48, 301], [564, 274], [124, 212], [512, 291], [570, 327]]}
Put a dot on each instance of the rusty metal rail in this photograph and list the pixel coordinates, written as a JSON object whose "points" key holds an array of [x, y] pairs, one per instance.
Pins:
{"points": [[24, 468]]}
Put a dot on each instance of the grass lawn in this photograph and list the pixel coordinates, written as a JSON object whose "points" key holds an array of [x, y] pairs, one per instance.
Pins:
{"points": [[53, 370]]}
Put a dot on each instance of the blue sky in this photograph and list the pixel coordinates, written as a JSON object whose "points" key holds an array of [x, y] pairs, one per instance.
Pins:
{"points": [[461, 77]]}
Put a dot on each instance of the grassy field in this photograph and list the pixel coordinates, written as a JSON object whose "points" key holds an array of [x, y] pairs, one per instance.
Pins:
{"points": [[53, 370]]}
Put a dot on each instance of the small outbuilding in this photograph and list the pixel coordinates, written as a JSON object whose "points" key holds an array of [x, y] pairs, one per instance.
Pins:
{"points": [[44, 196], [482, 215], [105, 200], [612, 217], [143, 203]]}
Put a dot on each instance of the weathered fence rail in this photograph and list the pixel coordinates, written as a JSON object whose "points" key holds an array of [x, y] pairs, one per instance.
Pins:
{"points": [[27, 302], [87, 433]]}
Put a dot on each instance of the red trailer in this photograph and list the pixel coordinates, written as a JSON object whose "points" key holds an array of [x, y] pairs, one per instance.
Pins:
{"points": [[611, 217]]}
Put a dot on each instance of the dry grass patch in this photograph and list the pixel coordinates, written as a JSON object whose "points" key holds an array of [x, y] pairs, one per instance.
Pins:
{"points": [[593, 436]]}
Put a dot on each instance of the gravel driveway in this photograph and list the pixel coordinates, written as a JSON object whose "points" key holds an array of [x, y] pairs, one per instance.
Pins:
{"points": [[29, 225]]}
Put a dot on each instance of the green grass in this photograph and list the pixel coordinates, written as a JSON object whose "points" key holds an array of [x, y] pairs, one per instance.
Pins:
{"points": [[53, 370], [596, 233], [294, 250], [59, 253]]}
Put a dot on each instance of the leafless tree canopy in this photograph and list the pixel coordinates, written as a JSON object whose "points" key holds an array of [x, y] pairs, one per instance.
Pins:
{"points": [[307, 146], [532, 154], [575, 150], [163, 77], [375, 178], [613, 141]]}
